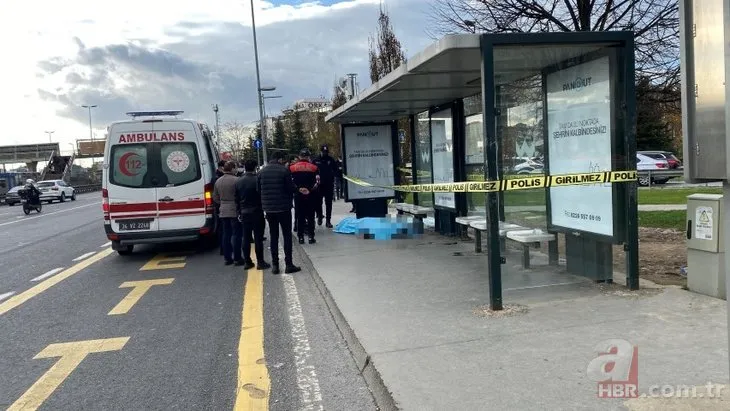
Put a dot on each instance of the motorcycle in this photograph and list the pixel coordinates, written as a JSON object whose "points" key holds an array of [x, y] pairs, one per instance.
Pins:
{"points": [[28, 204]]}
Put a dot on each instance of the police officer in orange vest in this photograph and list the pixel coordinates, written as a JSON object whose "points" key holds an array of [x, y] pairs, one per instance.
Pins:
{"points": [[305, 175]]}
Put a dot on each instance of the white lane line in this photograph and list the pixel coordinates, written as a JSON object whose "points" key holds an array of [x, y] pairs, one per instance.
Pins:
{"points": [[84, 256], [307, 380], [106, 245], [6, 295], [37, 216], [48, 274]]}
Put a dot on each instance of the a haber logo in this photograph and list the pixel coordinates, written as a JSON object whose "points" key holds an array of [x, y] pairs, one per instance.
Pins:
{"points": [[616, 369]]}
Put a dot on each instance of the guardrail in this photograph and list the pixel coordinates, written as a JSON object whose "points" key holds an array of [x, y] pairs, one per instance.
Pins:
{"points": [[650, 175], [88, 188]]}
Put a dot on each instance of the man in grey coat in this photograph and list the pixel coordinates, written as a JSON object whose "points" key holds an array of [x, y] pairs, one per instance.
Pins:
{"points": [[224, 195]]}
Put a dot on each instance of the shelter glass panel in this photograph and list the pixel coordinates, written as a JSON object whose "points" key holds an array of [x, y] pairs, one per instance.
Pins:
{"points": [[556, 117], [442, 155], [474, 152], [422, 162]]}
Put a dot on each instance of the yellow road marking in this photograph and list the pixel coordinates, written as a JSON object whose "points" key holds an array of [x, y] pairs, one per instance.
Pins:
{"points": [[139, 288], [164, 262], [71, 353], [43, 286], [253, 389]]}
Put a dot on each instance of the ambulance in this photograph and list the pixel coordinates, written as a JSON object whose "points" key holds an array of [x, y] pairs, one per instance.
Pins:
{"points": [[157, 180]]}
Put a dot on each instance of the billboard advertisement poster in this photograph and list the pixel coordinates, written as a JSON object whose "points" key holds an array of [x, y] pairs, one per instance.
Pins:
{"points": [[579, 141], [369, 157], [442, 156]]}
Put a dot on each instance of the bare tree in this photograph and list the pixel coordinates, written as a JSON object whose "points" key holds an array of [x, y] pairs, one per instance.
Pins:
{"points": [[235, 138], [655, 24], [385, 51]]}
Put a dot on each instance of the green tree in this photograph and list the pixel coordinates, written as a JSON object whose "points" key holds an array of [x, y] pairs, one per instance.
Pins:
{"points": [[652, 124], [385, 52], [338, 98], [279, 140], [297, 139]]}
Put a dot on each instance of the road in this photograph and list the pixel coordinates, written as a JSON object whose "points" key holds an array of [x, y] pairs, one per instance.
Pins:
{"points": [[168, 327]]}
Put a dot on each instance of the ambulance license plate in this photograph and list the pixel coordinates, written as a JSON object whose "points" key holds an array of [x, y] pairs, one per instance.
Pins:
{"points": [[140, 224]]}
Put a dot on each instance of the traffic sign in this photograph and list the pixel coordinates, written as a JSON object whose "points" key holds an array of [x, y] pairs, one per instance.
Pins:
{"points": [[257, 144]]}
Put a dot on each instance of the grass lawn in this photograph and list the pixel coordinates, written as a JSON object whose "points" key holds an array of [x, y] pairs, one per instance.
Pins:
{"points": [[673, 195], [676, 219]]}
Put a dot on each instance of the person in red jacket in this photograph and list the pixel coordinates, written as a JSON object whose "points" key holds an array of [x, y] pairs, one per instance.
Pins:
{"points": [[305, 175]]}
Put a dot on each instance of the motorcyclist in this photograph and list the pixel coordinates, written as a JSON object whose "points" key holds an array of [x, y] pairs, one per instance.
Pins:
{"points": [[32, 192]]}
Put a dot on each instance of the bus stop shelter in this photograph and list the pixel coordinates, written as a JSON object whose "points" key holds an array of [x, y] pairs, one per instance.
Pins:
{"points": [[489, 107]]}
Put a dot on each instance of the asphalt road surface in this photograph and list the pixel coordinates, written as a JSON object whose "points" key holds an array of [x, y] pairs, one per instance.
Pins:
{"points": [[168, 327]]}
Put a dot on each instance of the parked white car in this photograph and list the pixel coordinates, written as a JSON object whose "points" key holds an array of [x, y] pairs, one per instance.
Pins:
{"points": [[55, 190], [646, 163]]}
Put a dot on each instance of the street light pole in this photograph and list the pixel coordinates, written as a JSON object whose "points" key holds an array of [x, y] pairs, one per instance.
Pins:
{"points": [[217, 127], [49, 135], [91, 134], [264, 131], [258, 79]]}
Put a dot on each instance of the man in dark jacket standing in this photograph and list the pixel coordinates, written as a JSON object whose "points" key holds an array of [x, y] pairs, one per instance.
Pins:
{"points": [[224, 195], [327, 170], [306, 178], [277, 188], [251, 216]]}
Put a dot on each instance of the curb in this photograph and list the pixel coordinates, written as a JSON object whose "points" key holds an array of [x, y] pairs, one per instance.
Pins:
{"points": [[382, 396]]}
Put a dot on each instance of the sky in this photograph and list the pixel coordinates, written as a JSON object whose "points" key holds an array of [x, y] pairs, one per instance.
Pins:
{"points": [[184, 54]]}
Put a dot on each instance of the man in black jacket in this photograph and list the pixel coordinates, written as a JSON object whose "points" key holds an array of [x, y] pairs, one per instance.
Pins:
{"points": [[327, 170], [277, 189], [305, 175], [251, 216]]}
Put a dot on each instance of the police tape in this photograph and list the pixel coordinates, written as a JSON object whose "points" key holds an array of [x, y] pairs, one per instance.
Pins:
{"points": [[519, 183]]}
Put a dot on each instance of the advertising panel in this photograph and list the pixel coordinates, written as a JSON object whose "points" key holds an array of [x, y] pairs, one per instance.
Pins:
{"points": [[442, 156], [89, 148], [579, 141], [369, 157]]}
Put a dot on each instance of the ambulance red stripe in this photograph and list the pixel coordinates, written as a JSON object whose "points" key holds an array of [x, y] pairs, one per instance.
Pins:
{"points": [[163, 206]]}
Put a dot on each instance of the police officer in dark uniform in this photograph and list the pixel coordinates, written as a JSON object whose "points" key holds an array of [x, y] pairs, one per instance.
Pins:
{"points": [[327, 170], [305, 175]]}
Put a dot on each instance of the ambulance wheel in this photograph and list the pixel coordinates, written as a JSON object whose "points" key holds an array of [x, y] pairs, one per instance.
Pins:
{"points": [[122, 249]]}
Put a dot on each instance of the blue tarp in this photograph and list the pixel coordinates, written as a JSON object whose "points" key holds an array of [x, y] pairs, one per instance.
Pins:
{"points": [[377, 228]]}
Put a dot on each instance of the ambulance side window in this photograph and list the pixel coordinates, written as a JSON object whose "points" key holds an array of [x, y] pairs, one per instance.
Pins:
{"points": [[129, 165], [180, 163]]}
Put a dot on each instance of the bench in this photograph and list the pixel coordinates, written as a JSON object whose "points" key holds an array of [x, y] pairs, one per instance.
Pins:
{"points": [[414, 210], [419, 213], [481, 225], [465, 221], [528, 238]]}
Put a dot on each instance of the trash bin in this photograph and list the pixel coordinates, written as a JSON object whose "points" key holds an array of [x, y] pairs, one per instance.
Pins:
{"points": [[705, 245]]}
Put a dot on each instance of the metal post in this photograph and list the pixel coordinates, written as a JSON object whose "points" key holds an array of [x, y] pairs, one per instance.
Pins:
{"points": [[258, 77], [494, 258], [217, 127], [49, 136], [263, 121]]}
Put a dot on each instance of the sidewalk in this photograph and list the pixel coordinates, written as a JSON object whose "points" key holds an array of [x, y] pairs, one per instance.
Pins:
{"points": [[408, 309], [662, 207]]}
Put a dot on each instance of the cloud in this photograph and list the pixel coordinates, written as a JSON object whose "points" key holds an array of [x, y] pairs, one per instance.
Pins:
{"points": [[302, 49]]}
